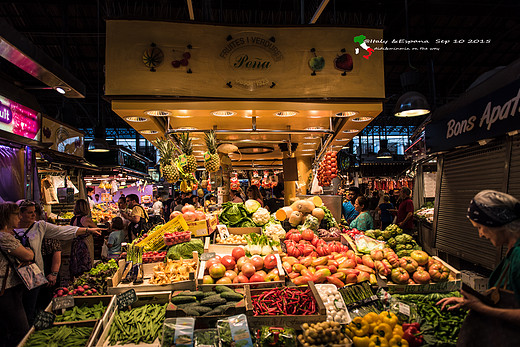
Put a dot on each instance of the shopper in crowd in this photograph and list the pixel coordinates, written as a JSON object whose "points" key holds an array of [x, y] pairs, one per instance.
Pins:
{"points": [[31, 233], [96, 199], [157, 206], [395, 197], [276, 202], [384, 212], [90, 193], [348, 210], [121, 204], [115, 238], [13, 320], [363, 221], [195, 201], [405, 211], [496, 216], [168, 208], [137, 217], [82, 248], [51, 254], [234, 196], [253, 193]]}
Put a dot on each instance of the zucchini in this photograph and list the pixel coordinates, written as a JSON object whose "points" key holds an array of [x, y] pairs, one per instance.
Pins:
{"points": [[222, 289], [181, 299], [231, 296]]}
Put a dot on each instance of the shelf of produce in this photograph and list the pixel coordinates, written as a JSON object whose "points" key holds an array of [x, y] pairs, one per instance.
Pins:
{"points": [[287, 321], [227, 251], [454, 284], [115, 285], [143, 298], [91, 324]]}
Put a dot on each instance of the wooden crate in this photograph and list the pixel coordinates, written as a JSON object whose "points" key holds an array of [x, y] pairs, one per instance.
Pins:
{"points": [[206, 287], [237, 231], [442, 287], [143, 298], [91, 323], [240, 307], [115, 286], [290, 321]]}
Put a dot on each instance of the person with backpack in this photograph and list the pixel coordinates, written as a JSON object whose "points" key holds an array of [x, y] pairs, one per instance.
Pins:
{"points": [[139, 220], [82, 248]]}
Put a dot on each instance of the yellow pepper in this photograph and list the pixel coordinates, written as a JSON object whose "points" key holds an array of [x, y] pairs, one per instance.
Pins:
{"points": [[359, 326], [389, 318], [361, 341], [349, 332], [398, 341], [378, 341], [383, 330], [373, 320], [398, 330]]}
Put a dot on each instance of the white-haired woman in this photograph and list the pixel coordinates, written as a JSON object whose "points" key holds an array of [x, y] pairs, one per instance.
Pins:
{"points": [[496, 215]]}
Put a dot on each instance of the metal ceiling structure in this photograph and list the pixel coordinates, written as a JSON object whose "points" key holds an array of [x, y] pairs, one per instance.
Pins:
{"points": [[72, 33]]}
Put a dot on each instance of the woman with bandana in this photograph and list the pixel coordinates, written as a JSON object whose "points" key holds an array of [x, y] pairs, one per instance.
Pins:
{"points": [[496, 215]]}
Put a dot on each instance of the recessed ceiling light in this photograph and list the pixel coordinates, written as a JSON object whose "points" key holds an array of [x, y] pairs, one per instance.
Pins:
{"points": [[149, 132], [341, 140], [311, 137], [158, 113], [60, 90], [309, 144], [307, 154], [314, 128], [350, 131], [307, 150], [346, 114], [136, 119], [286, 113], [223, 113], [197, 145], [361, 119], [182, 116], [194, 138], [251, 116], [186, 128]]}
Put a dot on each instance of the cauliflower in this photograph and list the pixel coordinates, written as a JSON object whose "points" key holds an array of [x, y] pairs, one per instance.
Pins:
{"points": [[274, 231], [252, 205], [261, 216]]}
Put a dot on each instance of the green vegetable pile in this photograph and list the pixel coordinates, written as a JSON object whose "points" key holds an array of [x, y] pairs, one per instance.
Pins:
{"points": [[142, 324], [206, 337], [97, 276], [82, 313], [328, 221], [185, 250], [439, 328], [63, 336], [402, 244], [197, 303], [235, 215], [269, 336]]}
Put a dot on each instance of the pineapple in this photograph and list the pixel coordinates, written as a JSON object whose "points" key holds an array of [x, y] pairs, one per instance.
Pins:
{"points": [[168, 167], [187, 159], [211, 158]]}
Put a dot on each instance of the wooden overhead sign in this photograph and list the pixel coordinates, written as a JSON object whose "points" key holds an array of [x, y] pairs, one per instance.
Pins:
{"points": [[199, 60]]}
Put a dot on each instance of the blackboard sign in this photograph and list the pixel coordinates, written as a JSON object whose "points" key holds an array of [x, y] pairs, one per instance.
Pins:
{"points": [[207, 256], [126, 299], [62, 302], [44, 320]]}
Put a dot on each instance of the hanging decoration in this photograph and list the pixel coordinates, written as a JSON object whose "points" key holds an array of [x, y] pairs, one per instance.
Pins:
{"points": [[234, 183]]}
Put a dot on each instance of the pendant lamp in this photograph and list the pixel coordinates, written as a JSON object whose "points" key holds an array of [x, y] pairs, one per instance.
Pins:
{"points": [[383, 152], [411, 104], [99, 145]]}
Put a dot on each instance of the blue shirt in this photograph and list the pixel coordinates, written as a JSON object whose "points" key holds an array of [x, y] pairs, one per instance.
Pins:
{"points": [[386, 216], [363, 222], [349, 212], [115, 239]]}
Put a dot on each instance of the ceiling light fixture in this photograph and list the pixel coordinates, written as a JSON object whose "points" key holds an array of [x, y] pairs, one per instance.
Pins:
{"points": [[307, 150], [350, 131], [182, 116], [346, 114], [286, 113], [341, 140], [361, 119], [149, 132], [158, 113], [313, 128], [186, 128], [411, 104], [309, 144], [223, 113], [311, 137], [61, 89], [99, 145], [136, 119], [383, 152]]}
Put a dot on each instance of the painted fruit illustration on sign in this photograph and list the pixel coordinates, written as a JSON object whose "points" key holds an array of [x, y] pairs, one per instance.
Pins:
{"points": [[153, 57], [317, 63], [344, 63]]}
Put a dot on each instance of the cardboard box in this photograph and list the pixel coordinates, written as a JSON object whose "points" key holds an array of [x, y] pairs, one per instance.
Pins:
{"points": [[115, 285], [474, 280]]}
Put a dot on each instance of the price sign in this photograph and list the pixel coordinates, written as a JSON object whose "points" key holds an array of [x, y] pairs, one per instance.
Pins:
{"points": [[62, 302], [207, 256], [44, 320], [126, 299], [404, 309], [223, 231]]}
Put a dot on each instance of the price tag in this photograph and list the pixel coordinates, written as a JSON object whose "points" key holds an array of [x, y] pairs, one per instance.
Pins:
{"points": [[126, 299], [223, 231], [207, 256], [44, 320], [62, 302], [404, 309]]}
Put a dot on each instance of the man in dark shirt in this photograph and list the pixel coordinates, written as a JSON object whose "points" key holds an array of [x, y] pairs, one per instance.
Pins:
{"points": [[405, 211]]}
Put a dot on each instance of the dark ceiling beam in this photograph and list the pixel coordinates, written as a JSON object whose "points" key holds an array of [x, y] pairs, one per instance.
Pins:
{"points": [[319, 11]]}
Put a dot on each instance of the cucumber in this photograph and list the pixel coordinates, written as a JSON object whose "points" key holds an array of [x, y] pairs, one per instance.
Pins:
{"points": [[222, 289], [207, 294], [181, 299], [198, 294], [231, 296], [213, 302], [190, 311], [201, 309]]}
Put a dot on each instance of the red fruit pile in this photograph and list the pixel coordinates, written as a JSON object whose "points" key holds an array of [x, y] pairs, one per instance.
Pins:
{"points": [[154, 257], [83, 290], [328, 169], [171, 239]]}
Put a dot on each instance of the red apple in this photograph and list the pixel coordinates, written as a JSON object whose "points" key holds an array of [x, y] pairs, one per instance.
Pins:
{"points": [[258, 262], [211, 262], [231, 274], [238, 252], [270, 261], [248, 269], [257, 278], [225, 280], [243, 260], [229, 262], [242, 279]]}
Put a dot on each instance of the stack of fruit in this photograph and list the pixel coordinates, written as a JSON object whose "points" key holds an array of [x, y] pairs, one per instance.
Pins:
{"points": [[84, 290], [307, 243], [418, 268], [238, 268], [153, 257], [327, 169], [174, 238]]}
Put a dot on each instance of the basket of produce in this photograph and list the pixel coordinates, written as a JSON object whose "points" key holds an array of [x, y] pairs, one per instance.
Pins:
{"points": [[323, 334], [68, 335], [360, 299], [284, 306], [336, 308]]}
